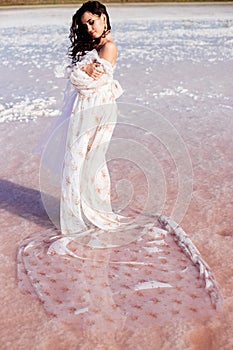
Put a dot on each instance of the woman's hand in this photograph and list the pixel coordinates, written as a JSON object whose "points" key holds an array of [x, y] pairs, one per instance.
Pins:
{"points": [[94, 70]]}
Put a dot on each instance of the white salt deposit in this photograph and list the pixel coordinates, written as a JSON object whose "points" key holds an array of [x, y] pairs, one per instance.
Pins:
{"points": [[161, 47], [152, 284]]}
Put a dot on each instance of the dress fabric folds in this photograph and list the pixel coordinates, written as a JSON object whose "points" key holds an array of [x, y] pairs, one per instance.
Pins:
{"points": [[99, 268]]}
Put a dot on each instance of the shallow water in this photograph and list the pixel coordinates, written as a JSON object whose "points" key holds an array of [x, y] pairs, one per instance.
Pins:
{"points": [[185, 58], [177, 62]]}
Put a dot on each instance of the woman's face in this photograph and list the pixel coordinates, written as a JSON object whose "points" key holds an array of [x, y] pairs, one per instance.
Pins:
{"points": [[93, 24]]}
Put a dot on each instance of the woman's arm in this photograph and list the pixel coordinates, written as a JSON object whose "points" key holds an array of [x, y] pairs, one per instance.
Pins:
{"points": [[94, 70], [107, 52]]}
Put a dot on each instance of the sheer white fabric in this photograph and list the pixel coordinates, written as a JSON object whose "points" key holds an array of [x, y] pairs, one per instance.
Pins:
{"points": [[86, 188], [68, 269]]}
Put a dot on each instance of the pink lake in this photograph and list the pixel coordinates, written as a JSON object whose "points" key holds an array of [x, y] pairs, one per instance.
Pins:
{"points": [[176, 61]]}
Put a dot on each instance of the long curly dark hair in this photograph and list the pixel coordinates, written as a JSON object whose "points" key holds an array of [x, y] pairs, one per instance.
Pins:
{"points": [[81, 41]]}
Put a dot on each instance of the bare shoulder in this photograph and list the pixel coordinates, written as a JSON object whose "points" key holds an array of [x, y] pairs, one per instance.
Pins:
{"points": [[109, 52]]}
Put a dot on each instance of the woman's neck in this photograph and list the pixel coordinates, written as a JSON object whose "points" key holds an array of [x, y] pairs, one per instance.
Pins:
{"points": [[103, 41]]}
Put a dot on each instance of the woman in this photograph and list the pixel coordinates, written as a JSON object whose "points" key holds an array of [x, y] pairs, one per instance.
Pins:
{"points": [[85, 199], [68, 272], [84, 131]]}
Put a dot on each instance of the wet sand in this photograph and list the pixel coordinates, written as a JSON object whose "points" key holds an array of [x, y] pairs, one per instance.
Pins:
{"points": [[194, 94]]}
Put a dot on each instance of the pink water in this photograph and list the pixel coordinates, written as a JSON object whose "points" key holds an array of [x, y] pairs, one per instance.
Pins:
{"points": [[185, 75]]}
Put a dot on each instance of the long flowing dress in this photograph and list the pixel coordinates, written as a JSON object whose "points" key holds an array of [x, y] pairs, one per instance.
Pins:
{"points": [[86, 181], [101, 269]]}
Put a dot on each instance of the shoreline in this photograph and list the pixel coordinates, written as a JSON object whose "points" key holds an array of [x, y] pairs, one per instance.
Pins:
{"points": [[123, 4]]}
